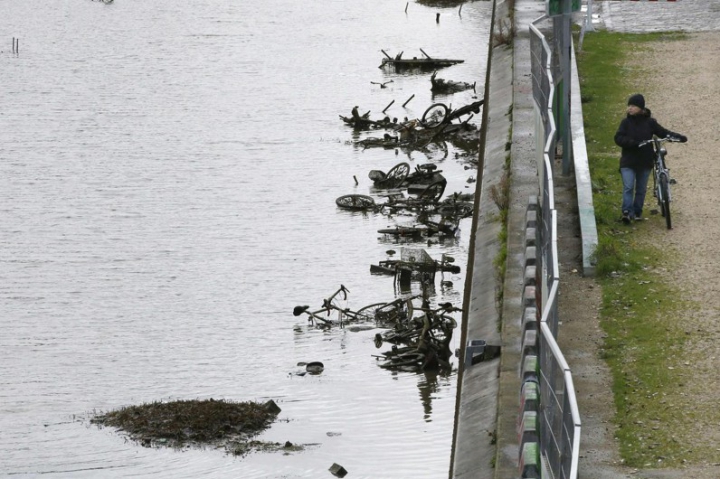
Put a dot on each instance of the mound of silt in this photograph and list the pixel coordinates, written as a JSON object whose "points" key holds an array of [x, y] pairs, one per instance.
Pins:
{"points": [[192, 422]]}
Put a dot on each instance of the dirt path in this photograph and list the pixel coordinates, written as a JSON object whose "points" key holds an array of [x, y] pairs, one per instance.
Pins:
{"points": [[684, 95]]}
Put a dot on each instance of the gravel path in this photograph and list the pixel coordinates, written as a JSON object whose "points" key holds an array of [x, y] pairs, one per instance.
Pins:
{"points": [[685, 94]]}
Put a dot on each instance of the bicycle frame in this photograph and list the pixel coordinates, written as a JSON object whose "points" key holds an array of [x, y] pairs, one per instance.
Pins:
{"points": [[659, 167], [661, 175], [364, 314], [661, 180], [327, 307]]}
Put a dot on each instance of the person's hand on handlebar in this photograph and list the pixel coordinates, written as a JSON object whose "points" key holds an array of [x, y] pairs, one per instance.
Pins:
{"points": [[676, 139]]}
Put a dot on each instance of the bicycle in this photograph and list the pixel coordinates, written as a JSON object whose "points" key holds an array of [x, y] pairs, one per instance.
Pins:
{"points": [[661, 176], [426, 337], [429, 196], [365, 314], [416, 261], [438, 114], [400, 176], [409, 330], [442, 219], [456, 206]]}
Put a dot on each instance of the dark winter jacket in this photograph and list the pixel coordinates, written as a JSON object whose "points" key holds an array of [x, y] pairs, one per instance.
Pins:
{"points": [[635, 129]]}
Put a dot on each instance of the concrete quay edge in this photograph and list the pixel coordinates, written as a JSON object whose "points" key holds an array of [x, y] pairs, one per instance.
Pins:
{"points": [[486, 443]]}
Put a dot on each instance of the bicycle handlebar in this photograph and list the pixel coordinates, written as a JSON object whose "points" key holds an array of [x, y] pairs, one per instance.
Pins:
{"points": [[327, 303], [672, 139]]}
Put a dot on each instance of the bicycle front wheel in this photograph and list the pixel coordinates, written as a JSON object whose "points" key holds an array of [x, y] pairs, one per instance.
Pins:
{"points": [[355, 202], [665, 199]]}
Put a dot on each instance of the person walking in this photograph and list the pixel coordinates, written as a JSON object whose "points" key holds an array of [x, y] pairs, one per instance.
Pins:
{"points": [[636, 162]]}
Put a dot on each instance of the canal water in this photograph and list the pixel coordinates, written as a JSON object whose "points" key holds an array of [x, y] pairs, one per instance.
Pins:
{"points": [[168, 172]]}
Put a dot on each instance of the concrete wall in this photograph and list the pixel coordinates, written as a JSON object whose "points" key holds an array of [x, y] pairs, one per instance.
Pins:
{"points": [[474, 446]]}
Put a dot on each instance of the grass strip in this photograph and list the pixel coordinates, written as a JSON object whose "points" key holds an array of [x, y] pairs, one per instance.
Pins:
{"points": [[640, 304]]}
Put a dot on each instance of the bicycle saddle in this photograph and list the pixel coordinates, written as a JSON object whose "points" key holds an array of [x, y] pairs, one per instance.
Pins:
{"points": [[298, 310]]}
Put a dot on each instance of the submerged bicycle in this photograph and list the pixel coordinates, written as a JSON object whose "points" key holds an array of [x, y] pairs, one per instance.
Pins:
{"points": [[661, 177], [322, 319], [420, 343], [428, 197]]}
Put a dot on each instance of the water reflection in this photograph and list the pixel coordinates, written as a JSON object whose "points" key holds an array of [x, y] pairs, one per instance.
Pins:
{"points": [[428, 386]]}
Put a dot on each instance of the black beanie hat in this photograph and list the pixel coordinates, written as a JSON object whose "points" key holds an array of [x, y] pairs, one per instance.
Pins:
{"points": [[638, 100]]}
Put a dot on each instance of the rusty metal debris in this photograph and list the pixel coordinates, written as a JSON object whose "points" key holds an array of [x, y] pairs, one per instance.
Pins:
{"points": [[439, 85], [424, 63]]}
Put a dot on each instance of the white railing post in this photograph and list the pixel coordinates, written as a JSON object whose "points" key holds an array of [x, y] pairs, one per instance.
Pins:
{"points": [[588, 17]]}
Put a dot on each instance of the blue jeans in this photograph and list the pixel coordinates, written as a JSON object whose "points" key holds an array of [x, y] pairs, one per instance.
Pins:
{"points": [[634, 189]]}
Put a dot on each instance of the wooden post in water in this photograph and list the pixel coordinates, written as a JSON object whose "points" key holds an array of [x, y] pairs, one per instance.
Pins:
{"points": [[388, 105], [437, 18], [408, 100], [406, 5]]}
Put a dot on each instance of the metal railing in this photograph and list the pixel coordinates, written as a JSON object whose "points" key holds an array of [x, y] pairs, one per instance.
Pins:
{"points": [[558, 415]]}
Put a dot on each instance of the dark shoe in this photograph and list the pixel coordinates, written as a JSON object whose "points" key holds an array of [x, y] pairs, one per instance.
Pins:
{"points": [[626, 217]]}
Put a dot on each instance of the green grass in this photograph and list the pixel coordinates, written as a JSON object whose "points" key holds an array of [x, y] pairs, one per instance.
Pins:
{"points": [[500, 195], [640, 304]]}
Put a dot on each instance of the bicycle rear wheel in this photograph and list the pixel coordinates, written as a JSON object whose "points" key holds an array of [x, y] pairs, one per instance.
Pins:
{"points": [[665, 199], [391, 314], [433, 192], [355, 202], [396, 175], [369, 312], [434, 116]]}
